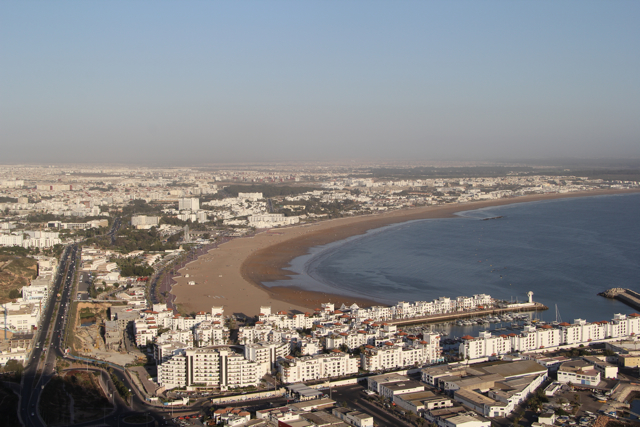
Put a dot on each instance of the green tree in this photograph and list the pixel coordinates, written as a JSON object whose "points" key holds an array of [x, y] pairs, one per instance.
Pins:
{"points": [[14, 366]]}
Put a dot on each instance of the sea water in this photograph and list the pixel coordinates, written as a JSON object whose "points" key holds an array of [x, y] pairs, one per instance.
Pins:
{"points": [[565, 251]]}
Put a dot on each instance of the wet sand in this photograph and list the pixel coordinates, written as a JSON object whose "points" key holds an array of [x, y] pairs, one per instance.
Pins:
{"points": [[232, 274]]}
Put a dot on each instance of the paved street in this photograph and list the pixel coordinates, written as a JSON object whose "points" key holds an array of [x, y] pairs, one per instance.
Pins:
{"points": [[355, 398], [41, 365]]}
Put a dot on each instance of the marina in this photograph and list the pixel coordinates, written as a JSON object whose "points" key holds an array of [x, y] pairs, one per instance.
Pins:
{"points": [[467, 318]]}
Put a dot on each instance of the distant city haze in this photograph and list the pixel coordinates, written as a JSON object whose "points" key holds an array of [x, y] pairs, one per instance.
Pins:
{"points": [[203, 82]]}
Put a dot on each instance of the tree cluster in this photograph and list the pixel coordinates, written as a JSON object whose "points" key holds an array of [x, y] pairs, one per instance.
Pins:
{"points": [[133, 267]]}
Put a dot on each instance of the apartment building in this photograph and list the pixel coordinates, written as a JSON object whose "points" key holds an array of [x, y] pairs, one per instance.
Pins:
{"points": [[307, 368], [189, 204], [393, 356], [218, 367], [547, 336], [266, 354]]}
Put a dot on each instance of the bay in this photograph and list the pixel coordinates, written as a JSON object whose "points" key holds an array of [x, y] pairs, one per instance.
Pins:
{"points": [[565, 251]]}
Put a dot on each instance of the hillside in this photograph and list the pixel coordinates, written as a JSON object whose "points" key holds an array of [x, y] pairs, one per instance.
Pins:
{"points": [[15, 272]]}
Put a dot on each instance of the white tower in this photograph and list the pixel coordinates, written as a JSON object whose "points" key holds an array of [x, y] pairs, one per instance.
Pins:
{"points": [[530, 295]]}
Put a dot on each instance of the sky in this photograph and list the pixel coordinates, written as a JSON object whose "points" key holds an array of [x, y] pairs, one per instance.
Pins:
{"points": [[205, 82]]}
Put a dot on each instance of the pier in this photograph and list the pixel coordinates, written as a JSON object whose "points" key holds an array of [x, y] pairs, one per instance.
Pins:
{"points": [[627, 296], [446, 317]]}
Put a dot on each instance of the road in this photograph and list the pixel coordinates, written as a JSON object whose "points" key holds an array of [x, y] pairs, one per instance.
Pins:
{"points": [[114, 229], [353, 395], [49, 344], [41, 366]]}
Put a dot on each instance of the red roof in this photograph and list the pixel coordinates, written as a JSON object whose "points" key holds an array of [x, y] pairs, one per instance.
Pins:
{"points": [[564, 324], [467, 337], [634, 315], [512, 334]]}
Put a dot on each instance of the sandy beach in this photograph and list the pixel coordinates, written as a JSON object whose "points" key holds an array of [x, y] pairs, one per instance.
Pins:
{"points": [[232, 274]]}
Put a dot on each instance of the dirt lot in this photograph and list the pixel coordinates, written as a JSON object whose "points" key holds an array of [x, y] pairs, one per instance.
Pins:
{"points": [[88, 338]]}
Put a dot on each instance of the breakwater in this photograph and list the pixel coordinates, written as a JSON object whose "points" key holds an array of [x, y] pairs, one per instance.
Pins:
{"points": [[627, 296], [445, 317]]}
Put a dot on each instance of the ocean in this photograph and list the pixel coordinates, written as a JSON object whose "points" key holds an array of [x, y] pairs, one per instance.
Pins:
{"points": [[565, 251]]}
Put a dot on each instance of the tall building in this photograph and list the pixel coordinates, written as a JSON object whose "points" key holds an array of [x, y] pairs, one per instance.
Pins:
{"points": [[188, 204], [209, 367]]}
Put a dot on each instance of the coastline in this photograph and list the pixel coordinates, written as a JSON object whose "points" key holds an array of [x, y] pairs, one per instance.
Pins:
{"points": [[232, 274]]}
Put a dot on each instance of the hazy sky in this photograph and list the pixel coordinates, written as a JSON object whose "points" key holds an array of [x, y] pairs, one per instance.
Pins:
{"points": [[218, 81]]}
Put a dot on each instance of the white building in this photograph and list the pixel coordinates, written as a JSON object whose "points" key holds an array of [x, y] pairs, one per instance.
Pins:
{"points": [[578, 372], [266, 355], [22, 316], [548, 337], [189, 204], [144, 222], [393, 356], [272, 220], [217, 367], [307, 368], [253, 197], [210, 333]]}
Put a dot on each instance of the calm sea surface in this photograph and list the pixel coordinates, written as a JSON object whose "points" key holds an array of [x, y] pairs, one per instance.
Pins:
{"points": [[565, 251]]}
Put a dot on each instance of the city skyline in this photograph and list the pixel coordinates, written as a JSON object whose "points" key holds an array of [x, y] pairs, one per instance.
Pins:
{"points": [[204, 83]]}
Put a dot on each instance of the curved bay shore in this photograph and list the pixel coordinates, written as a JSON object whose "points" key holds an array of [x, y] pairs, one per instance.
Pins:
{"points": [[232, 274]]}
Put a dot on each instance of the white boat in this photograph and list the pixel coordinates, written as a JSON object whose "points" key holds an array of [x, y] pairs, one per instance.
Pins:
{"points": [[558, 318]]}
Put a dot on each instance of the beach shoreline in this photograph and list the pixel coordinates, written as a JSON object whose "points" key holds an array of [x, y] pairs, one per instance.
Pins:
{"points": [[233, 274]]}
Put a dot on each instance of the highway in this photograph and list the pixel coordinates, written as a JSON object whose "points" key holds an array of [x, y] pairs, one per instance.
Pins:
{"points": [[49, 344], [114, 229], [41, 365]]}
